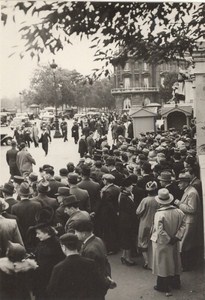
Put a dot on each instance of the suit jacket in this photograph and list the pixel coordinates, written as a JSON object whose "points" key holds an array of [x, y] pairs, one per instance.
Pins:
{"points": [[44, 200], [24, 161], [11, 201], [82, 196], [75, 218], [94, 248], [11, 157], [76, 278], [25, 210], [93, 189], [54, 185], [9, 231]]}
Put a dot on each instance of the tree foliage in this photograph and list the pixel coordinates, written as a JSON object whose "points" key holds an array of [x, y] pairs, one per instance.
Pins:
{"points": [[64, 87], [166, 90], [151, 31]]}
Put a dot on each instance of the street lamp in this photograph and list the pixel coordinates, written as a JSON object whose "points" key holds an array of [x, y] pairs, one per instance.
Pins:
{"points": [[57, 133], [21, 94]]}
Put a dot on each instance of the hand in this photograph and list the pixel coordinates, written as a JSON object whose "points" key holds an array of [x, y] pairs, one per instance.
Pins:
{"points": [[92, 214], [113, 284], [176, 202]]}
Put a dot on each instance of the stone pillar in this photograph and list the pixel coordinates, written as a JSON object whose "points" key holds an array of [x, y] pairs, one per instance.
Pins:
{"points": [[199, 83], [165, 124], [187, 121]]}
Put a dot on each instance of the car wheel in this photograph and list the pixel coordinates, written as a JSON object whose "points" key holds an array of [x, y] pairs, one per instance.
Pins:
{"points": [[8, 141]]}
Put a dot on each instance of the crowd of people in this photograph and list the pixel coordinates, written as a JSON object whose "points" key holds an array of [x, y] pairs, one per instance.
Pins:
{"points": [[141, 196]]}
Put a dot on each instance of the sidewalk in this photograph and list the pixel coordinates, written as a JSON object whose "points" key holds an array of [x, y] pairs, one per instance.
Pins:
{"points": [[135, 283]]}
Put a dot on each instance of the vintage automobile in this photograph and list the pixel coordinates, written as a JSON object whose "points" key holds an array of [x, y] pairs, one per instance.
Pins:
{"points": [[19, 122], [47, 121], [6, 139]]}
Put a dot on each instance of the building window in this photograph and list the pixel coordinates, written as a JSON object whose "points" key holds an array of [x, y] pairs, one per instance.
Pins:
{"points": [[136, 65], [127, 104], [145, 66], [136, 81], [146, 82], [162, 81], [127, 67], [127, 82]]}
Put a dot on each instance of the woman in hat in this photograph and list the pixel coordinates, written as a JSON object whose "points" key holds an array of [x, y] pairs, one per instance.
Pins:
{"points": [[168, 230], [47, 253], [127, 221], [146, 211], [14, 273]]}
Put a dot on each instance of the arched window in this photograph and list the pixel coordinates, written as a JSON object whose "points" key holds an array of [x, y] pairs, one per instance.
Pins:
{"points": [[127, 104]]}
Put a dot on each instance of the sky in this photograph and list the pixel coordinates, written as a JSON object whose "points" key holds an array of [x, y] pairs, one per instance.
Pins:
{"points": [[16, 72]]}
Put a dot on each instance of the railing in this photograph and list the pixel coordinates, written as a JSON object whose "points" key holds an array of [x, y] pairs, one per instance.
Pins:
{"points": [[134, 89]]}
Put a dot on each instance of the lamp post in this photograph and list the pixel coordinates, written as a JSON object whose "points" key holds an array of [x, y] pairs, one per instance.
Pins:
{"points": [[21, 101], [57, 133]]}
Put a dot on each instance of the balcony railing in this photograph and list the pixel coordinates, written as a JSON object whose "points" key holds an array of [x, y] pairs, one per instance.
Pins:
{"points": [[134, 90]]}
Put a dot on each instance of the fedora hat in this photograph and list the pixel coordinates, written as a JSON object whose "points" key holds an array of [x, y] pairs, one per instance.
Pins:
{"points": [[63, 191], [164, 197], [43, 187], [8, 188], [18, 179], [165, 176], [151, 186], [67, 201], [24, 189], [63, 172], [73, 178], [15, 252], [33, 177], [184, 177], [3, 205]]}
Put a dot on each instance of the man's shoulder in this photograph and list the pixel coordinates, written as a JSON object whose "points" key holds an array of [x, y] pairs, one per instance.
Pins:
{"points": [[8, 222]]}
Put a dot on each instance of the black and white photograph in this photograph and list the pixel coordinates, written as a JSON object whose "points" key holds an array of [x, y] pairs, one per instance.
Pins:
{"points": [[102, 150]]}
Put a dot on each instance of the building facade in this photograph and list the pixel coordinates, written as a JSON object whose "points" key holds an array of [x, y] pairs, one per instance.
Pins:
{"points": [[138, 83]]}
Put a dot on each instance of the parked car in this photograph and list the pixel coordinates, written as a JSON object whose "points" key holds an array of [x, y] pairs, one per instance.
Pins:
{"points": [[6, 139], [45, 121], [19, 122]]}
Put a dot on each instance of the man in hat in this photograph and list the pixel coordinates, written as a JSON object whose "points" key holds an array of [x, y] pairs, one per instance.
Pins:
{"points": [[42, 189], [191, 206], [81, 195], [33, 180], [11, 159], [75, 132], [9, 230], [24, 160], [64, 176], [90, 143], [25, 210], [93, 188], [60, 216], [82, 147], [54, 184], [44, 139], [168, 230], [167, 181], [71, 208], [76, 277], [8, 191], [106, 216]]}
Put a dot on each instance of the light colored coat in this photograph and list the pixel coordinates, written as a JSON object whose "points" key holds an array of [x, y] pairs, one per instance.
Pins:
{"points": [[190, 204], [9, 231], [24, 161], [168, 223], [146, 211]]}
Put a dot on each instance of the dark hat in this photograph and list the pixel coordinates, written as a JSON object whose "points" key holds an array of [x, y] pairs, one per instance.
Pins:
{"points": [[69, 200], [18, 179], [165, 176], [57, 178], [44, 215], [96, 157], [8, 188], [13, 143], [164, 197], [131, 149], [116, 152], [146, 167], [47, 167], [190, 160], [63, 172], [49, 171], [15, 252], [184, 177], [127, 182], [22, 145], [24, 189], [108, 177], [110, 161], [33, 177], [70, 241], [63, 191], [43, 187], [73, 178], [142, 157]]}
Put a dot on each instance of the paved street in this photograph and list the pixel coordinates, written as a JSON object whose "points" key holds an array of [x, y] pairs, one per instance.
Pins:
{"points": [[134, 283]]}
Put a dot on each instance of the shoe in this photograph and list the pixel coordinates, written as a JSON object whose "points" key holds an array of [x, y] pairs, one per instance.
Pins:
{"points": [[130, 263], [145, 266], [122, 260]]}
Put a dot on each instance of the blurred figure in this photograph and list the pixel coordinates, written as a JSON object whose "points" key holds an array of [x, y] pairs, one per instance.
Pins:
{"points": [[44, 139], [11, 156]]}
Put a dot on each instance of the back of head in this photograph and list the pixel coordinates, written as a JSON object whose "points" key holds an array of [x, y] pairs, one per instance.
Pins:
{"points": [[84, 226], [85, 170], [15, 252], [70, 241]]}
